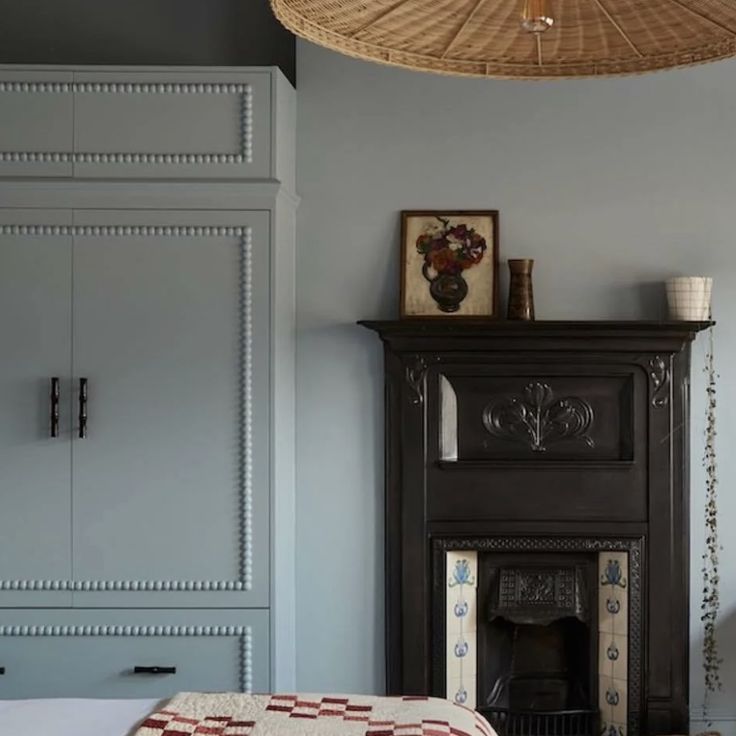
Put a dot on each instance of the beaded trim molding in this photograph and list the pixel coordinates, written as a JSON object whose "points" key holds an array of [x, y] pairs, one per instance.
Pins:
{"points": [[245, 394], [244, 633], [244, 154], [245, 661], [139, 586], [142, 231], [122, 630]]}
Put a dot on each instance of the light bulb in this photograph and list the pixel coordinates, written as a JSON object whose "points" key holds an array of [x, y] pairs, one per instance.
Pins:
{"points": [[535, 16]]}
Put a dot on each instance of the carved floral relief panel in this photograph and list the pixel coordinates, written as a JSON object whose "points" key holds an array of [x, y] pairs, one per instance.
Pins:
{"points": [[565, 416], [537, 418]]}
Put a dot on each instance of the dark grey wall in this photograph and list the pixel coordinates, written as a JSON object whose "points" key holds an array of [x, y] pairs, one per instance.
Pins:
{"points": [[201, 32]]}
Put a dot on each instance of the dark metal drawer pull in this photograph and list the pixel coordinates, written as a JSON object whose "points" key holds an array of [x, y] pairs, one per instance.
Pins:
{"points": [[154, 670], [2, 670], [54, 407], [82, 408]]}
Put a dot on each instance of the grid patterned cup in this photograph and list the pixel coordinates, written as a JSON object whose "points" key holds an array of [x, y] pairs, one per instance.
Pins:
{"points": [[688, 297]]}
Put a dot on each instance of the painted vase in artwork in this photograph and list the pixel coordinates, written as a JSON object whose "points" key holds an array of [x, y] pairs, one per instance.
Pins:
{"points": [[449, 251], [447, 289], [521, 292]]}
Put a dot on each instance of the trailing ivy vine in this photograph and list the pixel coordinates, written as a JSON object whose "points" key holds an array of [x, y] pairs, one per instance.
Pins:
{"points": [[711, 573]]}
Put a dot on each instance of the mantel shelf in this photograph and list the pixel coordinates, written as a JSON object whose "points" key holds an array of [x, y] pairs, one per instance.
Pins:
{"points": [[442, 325], [448, 328]]}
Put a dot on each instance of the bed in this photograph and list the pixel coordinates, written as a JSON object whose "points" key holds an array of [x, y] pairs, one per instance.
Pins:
{"points": [[73, 717], [236, 714]]}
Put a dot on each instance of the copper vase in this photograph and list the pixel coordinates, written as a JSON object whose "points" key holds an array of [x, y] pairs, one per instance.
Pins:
{"points": [[521, 293]]}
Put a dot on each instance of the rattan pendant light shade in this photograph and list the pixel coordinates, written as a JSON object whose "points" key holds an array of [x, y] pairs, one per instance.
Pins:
{"points": [[485, 38]]}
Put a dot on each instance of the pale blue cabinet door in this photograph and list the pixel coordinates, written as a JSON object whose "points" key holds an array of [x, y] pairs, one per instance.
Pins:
{"points": [[35, 329], [170, 486]]}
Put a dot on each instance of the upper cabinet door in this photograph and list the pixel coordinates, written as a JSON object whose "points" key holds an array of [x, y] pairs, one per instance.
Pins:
{"points": [[35, 325], [172, 124], [135, 123], [138, 124], [171, 332]]}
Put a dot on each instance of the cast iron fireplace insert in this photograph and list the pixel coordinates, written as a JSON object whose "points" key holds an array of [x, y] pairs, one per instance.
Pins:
{"points": [[537, 648]]}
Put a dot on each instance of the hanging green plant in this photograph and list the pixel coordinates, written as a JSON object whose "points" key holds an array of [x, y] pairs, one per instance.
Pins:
{"points": [[711, 572]]}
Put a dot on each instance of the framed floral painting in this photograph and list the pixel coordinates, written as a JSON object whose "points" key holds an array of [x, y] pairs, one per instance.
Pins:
{"points": [[449, 263]]}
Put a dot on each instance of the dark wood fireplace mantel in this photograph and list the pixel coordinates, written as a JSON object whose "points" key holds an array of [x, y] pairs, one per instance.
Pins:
{"points": [[635, 331], [511, 435]]}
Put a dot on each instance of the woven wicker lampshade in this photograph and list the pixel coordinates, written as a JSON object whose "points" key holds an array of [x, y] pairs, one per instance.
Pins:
{"points": [[485, 38]]}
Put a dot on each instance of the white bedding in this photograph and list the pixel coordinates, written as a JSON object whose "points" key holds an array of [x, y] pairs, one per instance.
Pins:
{"points": [[70, 716]]}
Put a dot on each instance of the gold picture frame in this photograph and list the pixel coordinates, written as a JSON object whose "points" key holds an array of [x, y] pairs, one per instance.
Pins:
{"points": [[449, 264]]}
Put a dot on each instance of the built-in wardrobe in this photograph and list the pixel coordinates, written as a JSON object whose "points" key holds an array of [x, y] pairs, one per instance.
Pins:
{"points": [[146, 381]]}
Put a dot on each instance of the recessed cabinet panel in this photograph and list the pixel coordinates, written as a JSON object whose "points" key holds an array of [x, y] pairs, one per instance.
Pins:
{"points": [[170, 485], [35, 324], [133, 123], [131, 654], [172, 124], [36, 123]]}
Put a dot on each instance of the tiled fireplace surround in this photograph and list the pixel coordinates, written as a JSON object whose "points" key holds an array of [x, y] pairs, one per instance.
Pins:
{"points": [[617, 620]]}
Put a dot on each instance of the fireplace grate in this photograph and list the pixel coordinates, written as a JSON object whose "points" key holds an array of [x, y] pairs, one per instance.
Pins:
{"points": [[538, 723]]}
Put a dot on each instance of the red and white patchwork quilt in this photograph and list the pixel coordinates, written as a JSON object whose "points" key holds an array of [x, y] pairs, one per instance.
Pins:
{"points": [[235, 714]]}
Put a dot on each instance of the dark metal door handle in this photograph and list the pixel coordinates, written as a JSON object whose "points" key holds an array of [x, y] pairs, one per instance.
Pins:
{"points": [[83, 407], [54, 408], [2, 670], [154, 670]]}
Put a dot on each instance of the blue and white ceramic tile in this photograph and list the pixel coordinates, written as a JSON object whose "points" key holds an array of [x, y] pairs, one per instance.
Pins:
{"points": [[613, 656], [605, 698], [463, 570], [463, 616], [612, 699], [613, 643], [613, 570], [612, 611], [461, 626], [462, 654], [462, 690]]}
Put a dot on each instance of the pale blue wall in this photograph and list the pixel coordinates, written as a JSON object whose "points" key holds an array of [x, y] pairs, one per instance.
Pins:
{"points": [[612, 185]]}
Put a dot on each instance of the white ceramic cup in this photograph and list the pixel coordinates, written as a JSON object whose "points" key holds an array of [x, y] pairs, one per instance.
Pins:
{"points": [[688, 297]]}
